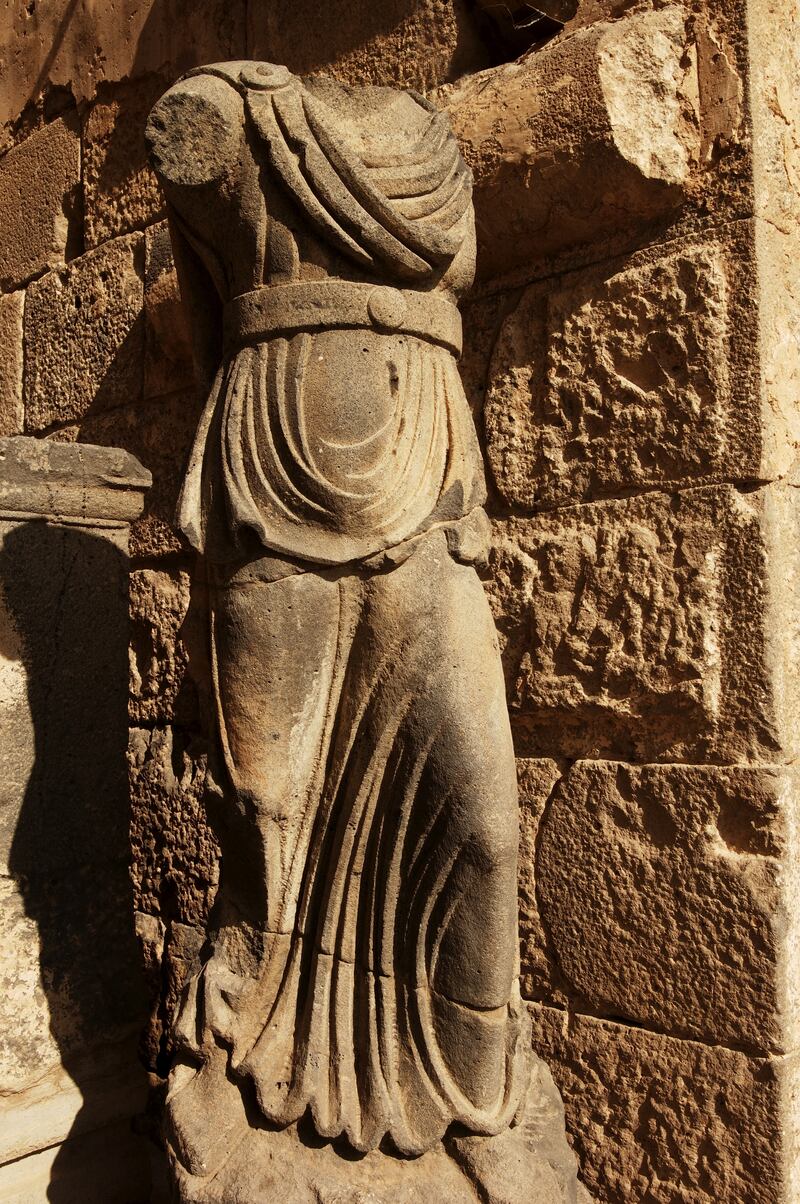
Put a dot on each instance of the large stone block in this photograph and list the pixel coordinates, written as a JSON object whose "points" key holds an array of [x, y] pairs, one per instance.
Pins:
{"points": [[168, 348], [669, 898], [159, 600], [39, 183], [639, 372], [120, 191], [656, 1120], [174, 852], [12, 414], [84, 335], [654, 628]]}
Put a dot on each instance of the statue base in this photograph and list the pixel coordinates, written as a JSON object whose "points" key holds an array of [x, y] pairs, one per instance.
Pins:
{"points": [[530, 1163]]}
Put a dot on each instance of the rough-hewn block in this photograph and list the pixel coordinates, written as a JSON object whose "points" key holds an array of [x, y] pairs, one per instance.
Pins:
{"points": [[12, 412], [159, 601], [666, 902], [120, 191], [639, 372], [174, 852], [84, 335], [168, 348], [652, 628], [655, 1120], [39, 181]]}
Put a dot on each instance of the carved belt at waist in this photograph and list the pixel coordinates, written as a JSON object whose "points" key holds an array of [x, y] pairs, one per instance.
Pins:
{"points": [[285, 309]]}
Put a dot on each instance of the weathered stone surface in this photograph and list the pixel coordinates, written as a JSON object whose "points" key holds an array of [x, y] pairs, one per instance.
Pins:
{"points": [[674, 875], [655, 1120], [639, 372], [174, 853], [410, 43], [544, 180], [648, 628], [44, 49], [168, 350], [39, 214], [12, 414], [84, 335], [539, 976], [119, 189], [159, 599]]}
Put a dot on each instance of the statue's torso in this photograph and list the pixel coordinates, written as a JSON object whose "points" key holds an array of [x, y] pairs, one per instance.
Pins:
{"points": [[341, 441]]}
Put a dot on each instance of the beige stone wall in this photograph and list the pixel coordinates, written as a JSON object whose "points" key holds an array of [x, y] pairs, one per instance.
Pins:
{"points": [[632, 359]]}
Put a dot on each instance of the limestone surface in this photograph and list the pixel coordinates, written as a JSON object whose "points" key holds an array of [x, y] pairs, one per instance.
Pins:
{"points": [[120, 192], [544, 180]]}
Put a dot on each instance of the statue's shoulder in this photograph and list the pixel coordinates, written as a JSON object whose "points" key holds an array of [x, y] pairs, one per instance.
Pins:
{"points": [[194, 131]]}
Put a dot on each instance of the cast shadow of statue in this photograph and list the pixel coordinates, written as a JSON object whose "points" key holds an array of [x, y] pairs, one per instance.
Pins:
{"points": [[65, 591]]}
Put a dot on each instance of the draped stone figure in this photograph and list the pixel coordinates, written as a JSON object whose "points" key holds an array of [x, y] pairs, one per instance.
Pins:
{"points": [[355, 1029]]}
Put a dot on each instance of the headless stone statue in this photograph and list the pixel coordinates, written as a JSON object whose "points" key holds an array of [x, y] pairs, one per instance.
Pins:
{"points": [[355, 1029]]}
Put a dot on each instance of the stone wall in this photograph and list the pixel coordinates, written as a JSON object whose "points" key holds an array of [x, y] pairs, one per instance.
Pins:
{"points": [[632, 360]]}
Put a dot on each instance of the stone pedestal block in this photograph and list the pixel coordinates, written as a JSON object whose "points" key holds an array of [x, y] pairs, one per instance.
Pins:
{"points": [[71, 999]]}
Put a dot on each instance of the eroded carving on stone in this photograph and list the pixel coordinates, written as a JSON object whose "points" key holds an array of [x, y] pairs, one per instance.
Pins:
{"points": [[359, 983]]}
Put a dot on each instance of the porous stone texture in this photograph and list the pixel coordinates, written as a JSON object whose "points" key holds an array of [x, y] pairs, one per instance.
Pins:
{"points": [[658, 1119], [12, 409], [39, 183], [634, 337], [119, 189], [84, 335], [159, 432], [159, 599], [174, 853], [686, 876], [539, 975], [646, 627]]}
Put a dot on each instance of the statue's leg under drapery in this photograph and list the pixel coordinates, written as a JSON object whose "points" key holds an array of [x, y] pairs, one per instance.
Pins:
{"points": [[363, 969]]}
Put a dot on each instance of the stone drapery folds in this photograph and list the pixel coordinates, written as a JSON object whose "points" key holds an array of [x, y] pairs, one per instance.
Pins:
{"points": [[358, 989]]}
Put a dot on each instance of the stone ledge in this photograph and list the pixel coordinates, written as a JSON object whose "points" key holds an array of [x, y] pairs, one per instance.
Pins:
{"points": [[70, 482]]}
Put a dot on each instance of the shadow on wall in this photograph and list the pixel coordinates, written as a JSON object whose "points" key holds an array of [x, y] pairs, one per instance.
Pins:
{"points": [[66, 595]]}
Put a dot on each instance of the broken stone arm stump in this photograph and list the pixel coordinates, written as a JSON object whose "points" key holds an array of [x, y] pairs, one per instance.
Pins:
{"points": [[359, 983], [71, 1004]]}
